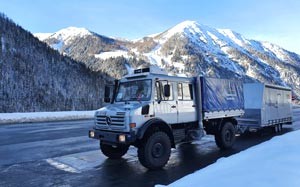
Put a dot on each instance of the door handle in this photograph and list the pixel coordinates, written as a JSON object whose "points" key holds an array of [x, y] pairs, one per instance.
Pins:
{"points": [[173, 106]]}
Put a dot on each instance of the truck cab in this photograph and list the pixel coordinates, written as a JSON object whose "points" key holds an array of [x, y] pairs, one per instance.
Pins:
{"points": [[153, 112]]}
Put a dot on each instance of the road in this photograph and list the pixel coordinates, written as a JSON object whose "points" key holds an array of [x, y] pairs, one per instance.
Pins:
{"points": [[61, 154]]}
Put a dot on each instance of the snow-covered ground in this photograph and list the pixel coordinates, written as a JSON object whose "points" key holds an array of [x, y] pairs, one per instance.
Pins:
{"points": [[6, 118], [112, 54], [274, 163]]}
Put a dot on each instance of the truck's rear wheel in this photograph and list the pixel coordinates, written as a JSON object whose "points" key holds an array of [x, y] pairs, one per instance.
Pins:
{"points": [[226, 137], [155, 151], [113, 152]]}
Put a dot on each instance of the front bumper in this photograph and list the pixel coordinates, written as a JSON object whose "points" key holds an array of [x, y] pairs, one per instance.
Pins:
{"points": [[113, 138]]}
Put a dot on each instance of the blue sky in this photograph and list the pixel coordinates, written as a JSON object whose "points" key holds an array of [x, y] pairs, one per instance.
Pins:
{"points": [[276, 21]]}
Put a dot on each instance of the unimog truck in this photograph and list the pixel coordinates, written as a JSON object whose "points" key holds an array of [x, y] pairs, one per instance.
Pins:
{"points": [[154, 112]]}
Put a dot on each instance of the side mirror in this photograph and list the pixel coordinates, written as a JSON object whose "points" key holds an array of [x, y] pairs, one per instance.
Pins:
{"points": [[107, 94], [167, 90]]}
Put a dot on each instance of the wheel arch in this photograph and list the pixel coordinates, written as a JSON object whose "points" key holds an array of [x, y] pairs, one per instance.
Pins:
{"points": [[154, 125], [215, 125], [231, 119]]}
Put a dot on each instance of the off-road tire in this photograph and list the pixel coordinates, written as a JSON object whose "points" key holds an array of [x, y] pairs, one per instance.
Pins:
{"points": [[113, 152], [277, 128], [226, 137], [154, 152]]}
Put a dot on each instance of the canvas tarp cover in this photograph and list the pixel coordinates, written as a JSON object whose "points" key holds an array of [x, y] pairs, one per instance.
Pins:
{"points": [[221, 94]]}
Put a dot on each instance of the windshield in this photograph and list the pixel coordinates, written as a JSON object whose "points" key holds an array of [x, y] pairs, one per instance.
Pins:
{"points": [[134, 91]]}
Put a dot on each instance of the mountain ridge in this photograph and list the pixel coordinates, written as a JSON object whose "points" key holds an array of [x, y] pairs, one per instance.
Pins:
{"points": [[191, 49]]}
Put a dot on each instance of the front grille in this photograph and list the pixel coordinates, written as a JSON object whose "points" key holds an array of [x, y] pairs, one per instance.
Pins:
{"points": [[117, 120], [121, 113]]}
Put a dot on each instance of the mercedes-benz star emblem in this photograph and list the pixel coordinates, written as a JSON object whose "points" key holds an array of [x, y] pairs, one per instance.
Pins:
{"points": [[108, 120]]}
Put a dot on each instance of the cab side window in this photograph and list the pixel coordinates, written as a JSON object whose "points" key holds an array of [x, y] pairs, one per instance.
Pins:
{"points": [[159, 91], [171, 91], [157, 95], [185, 91]]}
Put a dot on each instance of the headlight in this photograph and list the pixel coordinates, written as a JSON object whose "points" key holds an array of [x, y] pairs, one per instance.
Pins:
{"points": [[122, 138], [92, 134]]}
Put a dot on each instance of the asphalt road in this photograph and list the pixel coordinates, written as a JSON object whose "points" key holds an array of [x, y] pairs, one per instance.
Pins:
{"points": [[61, 154]]}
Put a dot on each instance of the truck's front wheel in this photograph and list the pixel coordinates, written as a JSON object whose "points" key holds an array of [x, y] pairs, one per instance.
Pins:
{"points": [[226, 137], [155, 151], [113, 152]]}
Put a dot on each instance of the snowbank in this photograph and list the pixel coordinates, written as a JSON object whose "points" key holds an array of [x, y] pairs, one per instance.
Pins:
{"points": [[6, 118], [273, 163]]}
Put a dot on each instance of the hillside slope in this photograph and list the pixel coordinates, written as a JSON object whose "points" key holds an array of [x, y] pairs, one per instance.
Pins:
{"points": [[34, 77]]}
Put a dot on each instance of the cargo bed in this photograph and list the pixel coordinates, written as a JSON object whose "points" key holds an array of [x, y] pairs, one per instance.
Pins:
{"points": [[221, 98]]}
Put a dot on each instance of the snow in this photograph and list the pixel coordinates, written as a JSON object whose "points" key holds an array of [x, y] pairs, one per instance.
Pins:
{"points": [[179, 66], [187, 28], [58, 45], [182, 27], [237, 38], [155, 57], [273, 163], [70, 32], [153, 35], [65, 36], [129, 69], [112, 54], [6, 118], [251, 72], [148, 36], [216, 40], [276, 50], [42, 36]]}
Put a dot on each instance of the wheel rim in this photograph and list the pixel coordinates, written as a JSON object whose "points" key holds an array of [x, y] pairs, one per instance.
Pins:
{"points": [[228, 136], [157, 150]]}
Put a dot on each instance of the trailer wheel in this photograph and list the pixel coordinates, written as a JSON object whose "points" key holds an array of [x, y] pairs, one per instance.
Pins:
{"points": [[277, 128], [226, 137], [113, 152], [155, 151]]}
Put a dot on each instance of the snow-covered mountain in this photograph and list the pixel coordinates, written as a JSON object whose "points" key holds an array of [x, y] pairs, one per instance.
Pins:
{"points": [[187, 49], [64, 36], [35, 78], [90, 48]]}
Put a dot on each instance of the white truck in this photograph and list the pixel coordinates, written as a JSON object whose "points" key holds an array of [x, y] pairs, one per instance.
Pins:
{"points": [[153, 112]]}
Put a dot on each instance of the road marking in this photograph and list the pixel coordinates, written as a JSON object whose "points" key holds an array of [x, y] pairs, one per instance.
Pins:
{"points": [[89, 160], [76, 163], [62, 166], [84, 161]]}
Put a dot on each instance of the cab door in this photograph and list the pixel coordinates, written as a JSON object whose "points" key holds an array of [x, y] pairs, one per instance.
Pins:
{"points": [[165, 108], [186, 106]]}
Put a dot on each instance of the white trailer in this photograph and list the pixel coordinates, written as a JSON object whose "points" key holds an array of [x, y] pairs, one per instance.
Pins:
{"points": [[266, 106], [153, 112]]}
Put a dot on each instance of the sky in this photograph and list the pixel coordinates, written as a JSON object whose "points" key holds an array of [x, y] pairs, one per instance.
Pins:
{"points": [[276, 21]]}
